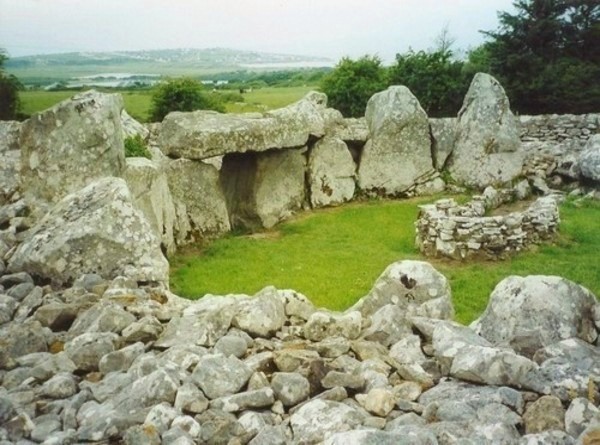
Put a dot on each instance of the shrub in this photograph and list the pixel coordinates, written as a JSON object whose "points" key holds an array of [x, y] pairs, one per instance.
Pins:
{"points": [[135, 147], [9, 93], [352, 83], [183, 94]]}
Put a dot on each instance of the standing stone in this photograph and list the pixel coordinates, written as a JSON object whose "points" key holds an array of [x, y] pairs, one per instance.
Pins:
{"points": [[443, 133], [589, 162], [399, 150], [150, 190], [487, 149], [200, 208], [535, 311], [71, 145], [263, 188], [95, 230], [331, 172]]}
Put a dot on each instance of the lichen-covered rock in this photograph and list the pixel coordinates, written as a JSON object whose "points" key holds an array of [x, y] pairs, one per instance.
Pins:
{"points": [[487, 149], [204, 134], [290, 388], [414, 286], [262, 315], [589, 162], [71, 145], [210, 371], [95, 230], [263, 189], [580, 414], [535, 311], [200, 207], [545, 414], [398, 152], [331, 172], [87, 349], [443, 132], [318, 419], [10, 160], [150, 191], [323, 324]]}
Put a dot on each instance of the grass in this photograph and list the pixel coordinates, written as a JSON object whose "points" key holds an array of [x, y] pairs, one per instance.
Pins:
{"points": [[137, 102], [334, 256]]}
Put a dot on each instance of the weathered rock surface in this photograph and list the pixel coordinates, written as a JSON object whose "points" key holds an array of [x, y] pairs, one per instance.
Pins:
{"points": [[132, 128], [95, 230], [262, 189], [414, 286], [398, 152], [200, 207], [10, 159], [487, 148], [331, 172], [589, 162], [203, 134], [151, 194], [443, 132], [529, 313], [71, 145]]}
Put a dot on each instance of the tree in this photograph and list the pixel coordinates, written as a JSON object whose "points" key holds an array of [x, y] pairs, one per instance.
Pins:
{"points": [[547, 55], [433, 77], [352, 82], [182, 94], [9, 92]]}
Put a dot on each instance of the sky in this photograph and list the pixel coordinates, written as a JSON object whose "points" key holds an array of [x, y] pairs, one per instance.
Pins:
{"points": [[327, 28]]}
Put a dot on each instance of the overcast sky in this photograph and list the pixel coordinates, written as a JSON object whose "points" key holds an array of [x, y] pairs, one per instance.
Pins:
{"points": [[329, 28]]}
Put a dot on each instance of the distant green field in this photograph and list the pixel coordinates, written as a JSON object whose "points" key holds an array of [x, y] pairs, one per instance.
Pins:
{"points": [[334, 256], [138, 102]]}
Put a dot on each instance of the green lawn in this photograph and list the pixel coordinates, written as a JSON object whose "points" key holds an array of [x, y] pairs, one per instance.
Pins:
{"points": [[137, 102], [334, 256]]}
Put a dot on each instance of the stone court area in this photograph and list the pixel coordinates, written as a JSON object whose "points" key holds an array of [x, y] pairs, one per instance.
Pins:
{"points": [[94, 348]]}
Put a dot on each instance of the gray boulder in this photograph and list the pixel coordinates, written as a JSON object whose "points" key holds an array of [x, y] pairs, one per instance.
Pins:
{"points": [[87, 349], [290, 388], [220, 376], [535, 311], [204, 134], [132, 128], [10, 160], [443, 133], [318, 419], [262, 315], [414, 286], [579, 415], [487, 149], [398, 152], [200, 208], [323, 324], [589, 162], [263, 188], [95, 230], [150, 191], [71, 145], [331, 172]]}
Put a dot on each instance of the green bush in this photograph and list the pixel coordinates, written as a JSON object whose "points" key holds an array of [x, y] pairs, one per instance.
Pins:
{"points": [[135, 147], [182, 94], [9, 93], [352, 83]]}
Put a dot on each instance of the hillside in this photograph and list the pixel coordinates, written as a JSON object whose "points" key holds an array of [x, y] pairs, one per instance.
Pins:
{"points": [[55, 67]]}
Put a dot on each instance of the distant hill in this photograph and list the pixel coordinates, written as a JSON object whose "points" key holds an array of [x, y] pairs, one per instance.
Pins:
{"points": [[53, 67]]}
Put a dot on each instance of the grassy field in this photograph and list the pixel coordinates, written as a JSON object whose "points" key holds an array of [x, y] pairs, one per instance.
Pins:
{"points": [[334, 256], [138, 102]]}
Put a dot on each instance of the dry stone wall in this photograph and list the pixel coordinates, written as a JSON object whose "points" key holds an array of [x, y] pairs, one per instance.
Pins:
{"points": [[446, 229]]}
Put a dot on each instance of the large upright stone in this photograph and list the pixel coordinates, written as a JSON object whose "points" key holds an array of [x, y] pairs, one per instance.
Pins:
{"points": [[203, 134], [150, 190], [71, 145], [10, 160], [399, 150], [200, 208], [263, 188], [443, 132], [589, 163], [95, 230], [487, 149], [331, 172], [536, 311]]}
